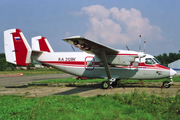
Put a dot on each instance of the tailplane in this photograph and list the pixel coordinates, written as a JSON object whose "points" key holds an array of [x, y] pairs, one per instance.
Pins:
{"points": [[40, 43], [17, 49]]}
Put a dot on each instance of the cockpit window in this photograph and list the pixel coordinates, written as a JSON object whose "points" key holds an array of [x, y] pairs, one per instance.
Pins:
{"points": [[156, 60], [149, 61]]}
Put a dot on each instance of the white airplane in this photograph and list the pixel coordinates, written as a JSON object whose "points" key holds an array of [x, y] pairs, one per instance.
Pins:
{"points": [[96, 60]]}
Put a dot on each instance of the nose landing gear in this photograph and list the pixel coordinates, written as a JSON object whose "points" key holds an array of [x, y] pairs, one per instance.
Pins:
{"points": [[167, 84]]}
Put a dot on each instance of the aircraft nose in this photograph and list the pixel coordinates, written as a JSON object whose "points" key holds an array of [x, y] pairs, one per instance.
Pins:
{"points": [[172, 72]]}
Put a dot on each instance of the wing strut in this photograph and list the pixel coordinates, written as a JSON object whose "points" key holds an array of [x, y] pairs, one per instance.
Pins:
{"points": [[104, 59]]}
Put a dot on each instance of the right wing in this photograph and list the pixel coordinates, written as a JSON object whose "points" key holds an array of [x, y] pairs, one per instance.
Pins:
{"points": [[90, 46]]}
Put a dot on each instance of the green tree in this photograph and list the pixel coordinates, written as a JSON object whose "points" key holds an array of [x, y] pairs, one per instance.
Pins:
{"points": [[166, 59], [31, 64], [2, 55], [3, 64]]}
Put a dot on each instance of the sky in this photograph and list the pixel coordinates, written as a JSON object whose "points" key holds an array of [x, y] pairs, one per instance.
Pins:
{"points": [[115, 23]]}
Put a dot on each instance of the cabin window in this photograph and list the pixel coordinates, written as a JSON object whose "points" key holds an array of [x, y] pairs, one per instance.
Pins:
{"points": [[156, 60], [149, 61], [89, 63]]}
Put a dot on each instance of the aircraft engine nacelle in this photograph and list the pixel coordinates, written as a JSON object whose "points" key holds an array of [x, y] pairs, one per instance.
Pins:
{"points": [[123, 60]]}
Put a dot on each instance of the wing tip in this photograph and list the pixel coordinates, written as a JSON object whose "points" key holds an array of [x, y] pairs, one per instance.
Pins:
{"points": [[73, 37]]}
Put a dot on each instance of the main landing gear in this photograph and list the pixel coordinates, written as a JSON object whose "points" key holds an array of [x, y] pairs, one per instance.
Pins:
{"points": [[110, 84]]}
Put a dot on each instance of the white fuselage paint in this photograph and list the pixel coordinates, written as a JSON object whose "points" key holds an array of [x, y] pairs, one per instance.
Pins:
{"points": [[76, 63]]}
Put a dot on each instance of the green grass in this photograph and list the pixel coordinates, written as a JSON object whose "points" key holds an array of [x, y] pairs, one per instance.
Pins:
{"points": [[73, 80], [31, 72], [70, 80], [134, 106]]}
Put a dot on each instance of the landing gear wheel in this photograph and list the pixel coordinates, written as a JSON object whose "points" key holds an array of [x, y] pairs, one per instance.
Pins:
{"points": [[165, 84], [105, 84]]}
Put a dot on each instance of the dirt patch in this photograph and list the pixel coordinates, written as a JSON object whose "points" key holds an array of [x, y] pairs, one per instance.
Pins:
{"points": [[89, 89]]}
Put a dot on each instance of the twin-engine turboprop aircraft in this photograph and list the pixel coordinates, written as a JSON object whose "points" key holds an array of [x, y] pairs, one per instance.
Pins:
{"points": [[96, 60]]}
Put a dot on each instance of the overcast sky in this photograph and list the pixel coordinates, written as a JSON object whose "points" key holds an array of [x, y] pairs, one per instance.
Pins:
{"points": [[115, 23]]}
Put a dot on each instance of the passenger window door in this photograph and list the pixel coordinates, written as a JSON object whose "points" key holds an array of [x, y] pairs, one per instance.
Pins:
{"points": [[89, 63], [149, 61]]}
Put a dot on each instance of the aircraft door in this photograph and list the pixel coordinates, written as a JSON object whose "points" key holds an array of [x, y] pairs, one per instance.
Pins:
{"points": [[89, 63]]}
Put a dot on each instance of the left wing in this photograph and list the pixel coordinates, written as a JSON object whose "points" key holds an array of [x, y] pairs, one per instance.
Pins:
{"points": [[89, 46]]}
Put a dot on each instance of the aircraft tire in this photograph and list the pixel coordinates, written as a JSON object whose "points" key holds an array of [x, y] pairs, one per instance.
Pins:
{"points": [[166, 85], [105, 84]]}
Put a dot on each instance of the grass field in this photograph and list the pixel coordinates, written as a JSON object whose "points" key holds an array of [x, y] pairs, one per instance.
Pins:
{"points": [[134, 106]]}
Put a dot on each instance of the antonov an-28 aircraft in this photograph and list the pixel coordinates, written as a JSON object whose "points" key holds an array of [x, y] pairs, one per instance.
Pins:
{"points": [[96, 60]]}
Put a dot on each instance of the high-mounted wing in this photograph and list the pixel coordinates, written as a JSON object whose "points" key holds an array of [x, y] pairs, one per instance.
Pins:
{"points": [[106, 54], [89, 46]]}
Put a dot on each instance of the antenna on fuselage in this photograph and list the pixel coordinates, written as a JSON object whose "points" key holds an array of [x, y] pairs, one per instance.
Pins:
{"points": [[144, 46], [72, 48], [127, 47], [139, 43]]}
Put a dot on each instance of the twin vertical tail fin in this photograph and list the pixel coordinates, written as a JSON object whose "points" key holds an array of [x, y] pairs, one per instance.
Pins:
{"points": [[17, 49], [40, 43]]}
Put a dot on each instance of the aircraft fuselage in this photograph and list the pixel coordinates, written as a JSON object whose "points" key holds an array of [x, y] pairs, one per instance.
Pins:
{"points": [[88, 65]]}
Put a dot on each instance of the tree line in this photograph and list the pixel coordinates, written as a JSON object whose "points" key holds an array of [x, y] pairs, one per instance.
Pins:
{"points": [[165, 59], [4, 64]]}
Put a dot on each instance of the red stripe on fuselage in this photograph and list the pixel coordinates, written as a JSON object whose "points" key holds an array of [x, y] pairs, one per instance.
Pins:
{"points": [[43, 45], [123, 54], [96, 64], [163, 67], [65, 63], [20, 49]]}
